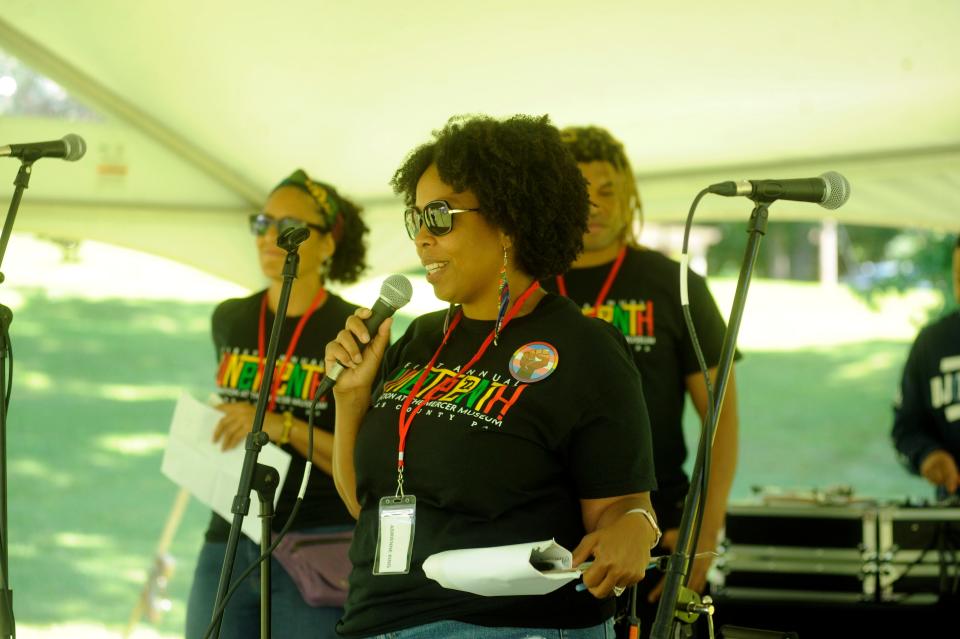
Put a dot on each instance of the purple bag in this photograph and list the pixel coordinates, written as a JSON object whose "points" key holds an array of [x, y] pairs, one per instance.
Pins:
{"points": [[319, 564]]}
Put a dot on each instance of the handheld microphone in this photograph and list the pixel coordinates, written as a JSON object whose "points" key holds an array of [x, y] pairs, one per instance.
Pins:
{"points": [[71, 148], [395, 292], [831, 190]]}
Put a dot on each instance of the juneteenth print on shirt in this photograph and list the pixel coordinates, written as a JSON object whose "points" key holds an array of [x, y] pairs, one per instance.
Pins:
{"points": [[486, 401], [239, 377], [631, 317]]}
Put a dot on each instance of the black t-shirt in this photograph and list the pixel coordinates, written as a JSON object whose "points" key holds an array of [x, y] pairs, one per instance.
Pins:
{"points": [[644, 304], [235, 327], [493, 460], [927, 412]]}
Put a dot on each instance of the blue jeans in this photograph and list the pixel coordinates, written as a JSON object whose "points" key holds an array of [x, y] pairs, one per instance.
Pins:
{"points": [[460, 630], [290, 616]]}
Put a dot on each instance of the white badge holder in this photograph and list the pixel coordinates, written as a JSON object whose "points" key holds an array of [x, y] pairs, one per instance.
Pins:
{"points": [[397, 517]]}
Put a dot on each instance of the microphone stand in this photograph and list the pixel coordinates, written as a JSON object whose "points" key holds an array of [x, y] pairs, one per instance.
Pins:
{"points": [[7, 621], [255, 476], [677, 602]]}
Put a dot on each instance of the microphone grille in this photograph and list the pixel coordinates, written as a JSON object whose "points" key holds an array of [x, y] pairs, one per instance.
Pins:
{"points": [[837, 191], [76, 147], [396, 290], [293, 237]]}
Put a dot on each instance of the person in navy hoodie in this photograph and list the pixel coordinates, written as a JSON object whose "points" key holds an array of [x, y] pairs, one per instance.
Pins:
{"points": [[926, 415]]}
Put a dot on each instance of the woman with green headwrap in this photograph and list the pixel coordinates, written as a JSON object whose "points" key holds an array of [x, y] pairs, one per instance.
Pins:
{"points": [[334, 250]]}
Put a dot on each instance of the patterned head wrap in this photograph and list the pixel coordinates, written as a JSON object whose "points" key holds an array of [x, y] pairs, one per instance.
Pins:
{"points": [[324, 196]]}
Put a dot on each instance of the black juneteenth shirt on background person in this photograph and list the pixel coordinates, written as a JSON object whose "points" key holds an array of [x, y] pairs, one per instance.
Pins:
{"points": [[643, 304], [235, 326], [493, 460]]}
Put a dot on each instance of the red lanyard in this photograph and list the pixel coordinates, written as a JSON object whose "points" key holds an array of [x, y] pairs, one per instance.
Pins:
{"points": [[261, 335], [611, 276], [406, 423]]}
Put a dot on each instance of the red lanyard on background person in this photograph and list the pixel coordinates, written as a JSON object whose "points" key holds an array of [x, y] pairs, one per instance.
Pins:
{"points": [[261, 339], [611, 276], [406, 423]]}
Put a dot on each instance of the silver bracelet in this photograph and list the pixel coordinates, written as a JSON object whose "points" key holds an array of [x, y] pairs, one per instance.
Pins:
{"points": [[653, 523]]}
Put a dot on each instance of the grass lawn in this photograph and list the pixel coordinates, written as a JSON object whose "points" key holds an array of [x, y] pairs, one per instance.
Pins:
{"points": [[816, 386], [103, 347]]}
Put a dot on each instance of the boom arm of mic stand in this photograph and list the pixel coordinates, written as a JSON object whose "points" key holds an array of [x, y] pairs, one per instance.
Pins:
{"points": [[677, 567], [21, 182], [254, 442]]}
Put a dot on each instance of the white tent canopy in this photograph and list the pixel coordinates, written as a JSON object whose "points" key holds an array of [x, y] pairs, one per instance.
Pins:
{"points": [[207, 104]]}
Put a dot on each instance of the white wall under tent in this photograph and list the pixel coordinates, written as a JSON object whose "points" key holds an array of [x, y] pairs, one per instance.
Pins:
{"points": [[205, 105]]}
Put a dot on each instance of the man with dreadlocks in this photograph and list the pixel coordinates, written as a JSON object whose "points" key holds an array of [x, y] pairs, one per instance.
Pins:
{"points": [[637, 290]]}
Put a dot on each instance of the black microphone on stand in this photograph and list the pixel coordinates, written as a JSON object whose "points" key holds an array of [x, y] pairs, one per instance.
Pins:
{"points": [[255, 476], [831, 190], [71, 148], [395, 292]]}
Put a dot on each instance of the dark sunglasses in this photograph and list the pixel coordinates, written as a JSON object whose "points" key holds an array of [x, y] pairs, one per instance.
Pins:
{"points": [[261, 222], [437, 216]]}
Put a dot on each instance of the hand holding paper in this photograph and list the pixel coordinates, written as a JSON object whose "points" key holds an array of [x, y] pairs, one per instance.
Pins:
{"points": [[534, 568]]}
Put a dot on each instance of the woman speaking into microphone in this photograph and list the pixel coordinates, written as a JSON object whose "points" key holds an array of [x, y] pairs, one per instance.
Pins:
{"points": [[509, 418]]}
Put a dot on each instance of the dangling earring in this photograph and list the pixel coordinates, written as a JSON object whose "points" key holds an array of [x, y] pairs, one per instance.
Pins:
{"points": [[504, 297]]}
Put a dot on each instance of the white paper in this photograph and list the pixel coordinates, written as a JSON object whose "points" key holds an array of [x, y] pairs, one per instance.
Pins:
{"points": [[503, 570], [211, 475]]}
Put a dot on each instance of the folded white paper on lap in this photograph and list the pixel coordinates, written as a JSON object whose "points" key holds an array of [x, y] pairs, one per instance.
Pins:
{"points": [[533, 568]]}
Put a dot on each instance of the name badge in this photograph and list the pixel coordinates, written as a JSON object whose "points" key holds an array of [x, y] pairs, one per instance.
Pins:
{"points": [[398, 516]]}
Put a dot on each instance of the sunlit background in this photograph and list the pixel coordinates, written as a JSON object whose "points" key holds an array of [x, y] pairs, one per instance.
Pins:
{"points": [[191, 111]]}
